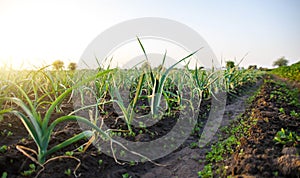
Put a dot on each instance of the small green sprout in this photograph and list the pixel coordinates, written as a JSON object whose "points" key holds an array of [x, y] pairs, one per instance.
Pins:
{"points": [[206, 172], [100, 162], [286, 137], [68, 172], [294, 114], [69, 153], [81, 149], [194, 145], [30, 171], [126, 175], [4, 175], [3, 148], [281, 110], [9, 133]]}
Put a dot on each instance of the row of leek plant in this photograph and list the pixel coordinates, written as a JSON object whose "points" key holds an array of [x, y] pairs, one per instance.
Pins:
{"points": [[235, 77], [155, 85], [205, 83], [43, 86], [40, 128]]}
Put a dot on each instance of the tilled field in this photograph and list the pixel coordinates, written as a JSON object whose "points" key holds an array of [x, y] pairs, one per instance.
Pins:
{"points": [[257, 154], [252, 152]]}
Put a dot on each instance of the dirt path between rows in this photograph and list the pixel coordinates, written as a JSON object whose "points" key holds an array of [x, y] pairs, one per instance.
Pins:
{"points": [[187, 161]]}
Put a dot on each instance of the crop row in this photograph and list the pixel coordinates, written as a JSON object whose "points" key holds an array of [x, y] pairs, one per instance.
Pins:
{"points": [[33, 96], [270, 122]]}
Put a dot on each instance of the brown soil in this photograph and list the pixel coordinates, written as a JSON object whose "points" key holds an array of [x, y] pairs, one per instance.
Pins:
{"points": [[183, 162], [258, 155]]}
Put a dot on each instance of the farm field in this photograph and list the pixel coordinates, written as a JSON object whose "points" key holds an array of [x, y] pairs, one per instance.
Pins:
{"points": [[43, 113]]}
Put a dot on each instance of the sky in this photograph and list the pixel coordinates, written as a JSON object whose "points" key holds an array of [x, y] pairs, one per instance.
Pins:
{"points": [[35, 33]]}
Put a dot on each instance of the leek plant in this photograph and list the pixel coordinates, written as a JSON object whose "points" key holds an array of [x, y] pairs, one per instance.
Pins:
{"points": [[204, 82], [155, 82], [56, 83], [231, 76], [158, 80], [129, 111], [40, 128]]}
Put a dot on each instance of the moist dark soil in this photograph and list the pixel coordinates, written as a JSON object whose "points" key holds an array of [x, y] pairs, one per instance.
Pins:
{"points": [[185, 161], [259, 155]]}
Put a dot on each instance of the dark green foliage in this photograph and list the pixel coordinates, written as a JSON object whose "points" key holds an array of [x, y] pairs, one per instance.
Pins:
{"points": [[281, 62], [291, 72]]}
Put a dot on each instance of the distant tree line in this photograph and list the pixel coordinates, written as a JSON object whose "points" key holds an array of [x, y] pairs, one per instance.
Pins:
{"points": [[59, 65], [282, 61]]}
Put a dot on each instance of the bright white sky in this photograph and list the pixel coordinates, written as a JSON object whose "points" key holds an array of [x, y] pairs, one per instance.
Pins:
{"points": [[35, 33]]}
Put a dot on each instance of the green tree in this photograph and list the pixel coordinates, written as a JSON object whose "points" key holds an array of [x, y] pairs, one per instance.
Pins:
{"points": [[72, 66], [230, 64], [58, 65], [281, 62]]}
